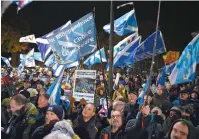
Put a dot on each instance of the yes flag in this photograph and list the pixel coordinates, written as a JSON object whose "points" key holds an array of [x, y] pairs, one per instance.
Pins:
{"points": [[185, 68], [145, 49], [50, 61], [6, 61], [120, 46], [124, 25], [75, 41], [95, 58], [54, 90], [29, 39], [125, 53], [143, 92]]}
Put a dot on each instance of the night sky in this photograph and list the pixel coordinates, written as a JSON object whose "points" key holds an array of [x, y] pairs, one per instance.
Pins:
{"points": [[177, 19]]}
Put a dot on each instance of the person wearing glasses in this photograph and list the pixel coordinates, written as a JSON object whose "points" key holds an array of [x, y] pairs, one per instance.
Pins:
{"points": [[115, 130]]}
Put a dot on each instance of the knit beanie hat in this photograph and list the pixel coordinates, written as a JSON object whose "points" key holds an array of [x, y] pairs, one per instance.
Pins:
{"points": [[58, 110], [5, 80]]}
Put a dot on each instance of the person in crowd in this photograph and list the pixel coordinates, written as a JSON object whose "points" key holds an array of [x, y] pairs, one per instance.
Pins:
{"points": [[168, 89], [159, 98], [115, 130], [7, 88], [40, 85], [26, 85], [85, 124], [23, 117], [131, 108], [43, 104], [144, 127], [159, 117], [182, 129], [184, 98], [99, 96], [34, 81], [120, 91], [62, 130], [175, 114], [54, 114], [194, 97]]}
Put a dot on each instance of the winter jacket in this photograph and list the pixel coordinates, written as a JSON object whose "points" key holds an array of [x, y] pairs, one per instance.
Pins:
{"points": [[159, 100], [193, 132], [20, 125], [85, 130], [107, 132], [151, 130]]}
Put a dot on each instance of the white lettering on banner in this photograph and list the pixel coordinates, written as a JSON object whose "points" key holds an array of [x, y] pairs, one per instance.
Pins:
{"points": [[67, 32]]}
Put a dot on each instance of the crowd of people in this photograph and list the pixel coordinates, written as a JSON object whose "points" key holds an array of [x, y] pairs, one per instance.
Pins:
{"points": [[168, 112]]}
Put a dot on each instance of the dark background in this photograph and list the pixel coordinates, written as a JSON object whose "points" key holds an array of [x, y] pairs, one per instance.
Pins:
{"points": [[177, 19]]}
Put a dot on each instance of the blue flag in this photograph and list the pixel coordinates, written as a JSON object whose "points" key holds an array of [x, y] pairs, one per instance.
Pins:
{"points": [[50, 61], [124, 25], [37, 56], [54, 90], [170, 67], [185, 68], [75, 41], [43, 44], [95, 58], [161, 77], [145, 49], [125, 53], [6, 61], [142, 94]]}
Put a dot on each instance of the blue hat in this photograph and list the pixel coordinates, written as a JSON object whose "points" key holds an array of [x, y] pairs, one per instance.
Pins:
{"points": [[122, 82], [58, 110]]}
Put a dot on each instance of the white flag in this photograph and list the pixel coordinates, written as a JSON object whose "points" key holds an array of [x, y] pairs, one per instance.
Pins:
{"points": [[29, 60], [29, 38]]}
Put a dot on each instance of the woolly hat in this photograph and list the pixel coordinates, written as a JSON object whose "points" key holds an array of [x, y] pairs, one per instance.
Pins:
{"points": [[58, 110]]}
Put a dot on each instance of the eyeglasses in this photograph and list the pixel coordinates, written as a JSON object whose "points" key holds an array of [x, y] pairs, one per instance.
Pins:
{"points": [[115, 116]]}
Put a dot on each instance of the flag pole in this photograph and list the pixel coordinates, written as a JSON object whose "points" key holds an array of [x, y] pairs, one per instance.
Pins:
{"points": [[111, 38], [154, 47]]}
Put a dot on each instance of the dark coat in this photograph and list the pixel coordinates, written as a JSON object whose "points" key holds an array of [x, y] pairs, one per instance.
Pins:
{"points": [[107, 131], [85, 130]]}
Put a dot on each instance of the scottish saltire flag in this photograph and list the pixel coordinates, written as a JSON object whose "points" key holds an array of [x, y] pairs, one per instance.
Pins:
{"points": [[124, 25], [28, 39], [185, 68], [75, 41], [120, 46], [71, 65], [29, 60], [170, 67], [37, 56], [55, 89], [125, 53], [161, 77], [6, 61], [142, 94], [95, 58], [43, 44], [145, 49], [50, 61], [22, 3]]}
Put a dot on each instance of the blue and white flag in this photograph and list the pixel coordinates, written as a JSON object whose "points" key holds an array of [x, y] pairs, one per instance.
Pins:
{"points": [[185, 68], [22, 3], [143, 92], [161, 77], [145, 49], [6, 61], [125, 53], [124, 25], [170, 67], [122, 44], [29, 60], [50, 61], [71, 65], [43, 44], [37, 56], [54, 90], [95, 58], [75, 41], [20, 67]]}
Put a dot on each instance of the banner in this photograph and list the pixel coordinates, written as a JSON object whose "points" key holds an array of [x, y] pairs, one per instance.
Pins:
{"points": [[29, 39], [171, 57], [85, 85], [74, 41]]}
